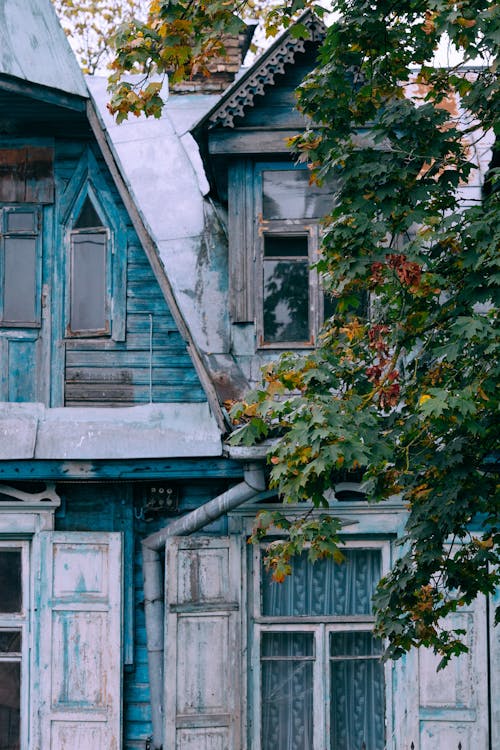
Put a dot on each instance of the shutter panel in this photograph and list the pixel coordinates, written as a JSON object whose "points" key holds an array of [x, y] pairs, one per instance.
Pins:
{"points": [[241, 242], [202, 644], [448, 707], [79, 641], [494, 635]]}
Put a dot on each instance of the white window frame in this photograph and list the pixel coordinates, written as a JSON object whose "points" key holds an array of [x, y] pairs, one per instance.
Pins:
{"points": [[20, 621], [321, 627]]}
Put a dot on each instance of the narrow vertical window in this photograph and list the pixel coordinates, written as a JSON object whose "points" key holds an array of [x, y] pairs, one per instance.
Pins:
{"points": [[88, 303], [11, 638], [19, 267]]}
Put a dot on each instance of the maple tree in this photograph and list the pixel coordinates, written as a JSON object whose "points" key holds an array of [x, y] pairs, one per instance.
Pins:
{"points": [[90, 26], [408, 393]]}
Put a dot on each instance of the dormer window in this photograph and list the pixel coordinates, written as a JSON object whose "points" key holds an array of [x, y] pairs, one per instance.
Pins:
{"points": [[89, 294], [274, 228]]}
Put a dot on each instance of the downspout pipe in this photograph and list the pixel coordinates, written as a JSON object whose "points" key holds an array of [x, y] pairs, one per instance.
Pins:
{"points": [[254, 482]]}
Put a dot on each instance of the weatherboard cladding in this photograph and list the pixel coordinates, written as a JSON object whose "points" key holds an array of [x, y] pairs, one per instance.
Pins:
{"points": [[151, 363], [118, 372]]}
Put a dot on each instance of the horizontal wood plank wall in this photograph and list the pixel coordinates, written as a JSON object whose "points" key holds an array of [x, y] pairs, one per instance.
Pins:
{"points": [[103, 372], [137, 725]]}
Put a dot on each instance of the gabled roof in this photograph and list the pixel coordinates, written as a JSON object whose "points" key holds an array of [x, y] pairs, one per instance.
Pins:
{"points": [[34, 48], [260, 75]]}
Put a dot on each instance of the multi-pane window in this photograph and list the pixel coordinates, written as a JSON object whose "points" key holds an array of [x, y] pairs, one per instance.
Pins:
{"points": [[89, 275], [20, 266], [292, 306], [320, 675], [13, 636]]}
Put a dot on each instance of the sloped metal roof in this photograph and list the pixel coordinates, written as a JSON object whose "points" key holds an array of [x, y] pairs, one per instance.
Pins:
{"points": [[34, 48]]}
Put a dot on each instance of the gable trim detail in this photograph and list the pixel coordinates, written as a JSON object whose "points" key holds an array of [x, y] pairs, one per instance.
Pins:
{"points": [[261, 75]]}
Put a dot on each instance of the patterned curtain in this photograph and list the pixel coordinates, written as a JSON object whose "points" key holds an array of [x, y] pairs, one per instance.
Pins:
{"points": [[287, 691], [356, 679], [356, 692], [324, 587]]}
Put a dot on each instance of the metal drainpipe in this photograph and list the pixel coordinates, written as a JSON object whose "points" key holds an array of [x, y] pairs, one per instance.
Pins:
{"points": [[254, 482]]}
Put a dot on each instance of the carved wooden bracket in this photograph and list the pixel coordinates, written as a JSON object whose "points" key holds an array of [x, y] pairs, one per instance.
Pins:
{"points": [[263, 75], [48, 498]]}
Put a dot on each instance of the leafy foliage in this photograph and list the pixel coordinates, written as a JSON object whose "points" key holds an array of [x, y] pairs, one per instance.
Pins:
{"points": [[409, 393], [90, 26]]}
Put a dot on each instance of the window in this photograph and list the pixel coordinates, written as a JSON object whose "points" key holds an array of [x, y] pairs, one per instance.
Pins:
{"points": [[291, 305], [20, 266], [13, 641], [89, 275], [320, 678]]}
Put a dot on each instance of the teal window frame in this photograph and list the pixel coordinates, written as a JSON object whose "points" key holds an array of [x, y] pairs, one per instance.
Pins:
{"points": [[7, 210]]}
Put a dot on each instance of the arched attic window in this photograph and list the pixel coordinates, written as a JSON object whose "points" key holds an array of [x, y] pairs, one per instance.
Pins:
{"points": [[89, 282]]}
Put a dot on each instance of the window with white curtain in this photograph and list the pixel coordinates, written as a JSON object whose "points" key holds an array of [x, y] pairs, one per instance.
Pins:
{"points": [[319, 679]]}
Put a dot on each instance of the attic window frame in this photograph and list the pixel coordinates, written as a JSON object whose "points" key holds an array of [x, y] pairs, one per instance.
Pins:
{"points": [[309, 227], [73, 232]]}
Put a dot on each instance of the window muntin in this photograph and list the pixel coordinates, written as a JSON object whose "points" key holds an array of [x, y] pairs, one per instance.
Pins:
{"points": [[14, 591], [89, 278], [338, 677], [20, 267]]}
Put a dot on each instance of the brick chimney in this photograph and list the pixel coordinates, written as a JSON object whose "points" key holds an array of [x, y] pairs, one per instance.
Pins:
{"points": [[222, 70]]}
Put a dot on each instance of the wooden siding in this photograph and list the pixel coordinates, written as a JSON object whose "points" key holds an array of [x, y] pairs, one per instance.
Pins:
{"points": [[102, 372], [144, 359], [152, 363]]}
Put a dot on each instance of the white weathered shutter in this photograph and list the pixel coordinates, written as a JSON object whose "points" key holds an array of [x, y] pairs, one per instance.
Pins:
{"points": [[78, 643], [202, 644], [442, 709], [494, 636]]}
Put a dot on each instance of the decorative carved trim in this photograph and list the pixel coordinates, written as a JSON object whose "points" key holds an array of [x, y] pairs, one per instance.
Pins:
{"points": [[46, 499], [264, 74]]}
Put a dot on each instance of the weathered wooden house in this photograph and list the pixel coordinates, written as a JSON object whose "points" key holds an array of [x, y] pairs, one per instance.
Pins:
{"points": [[147, 271]]}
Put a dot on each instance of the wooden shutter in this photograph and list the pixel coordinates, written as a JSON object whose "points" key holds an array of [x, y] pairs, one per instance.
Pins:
{"points": [[78, 660], [203, 653], [494, 635], [241, 218], [442, 709]]}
